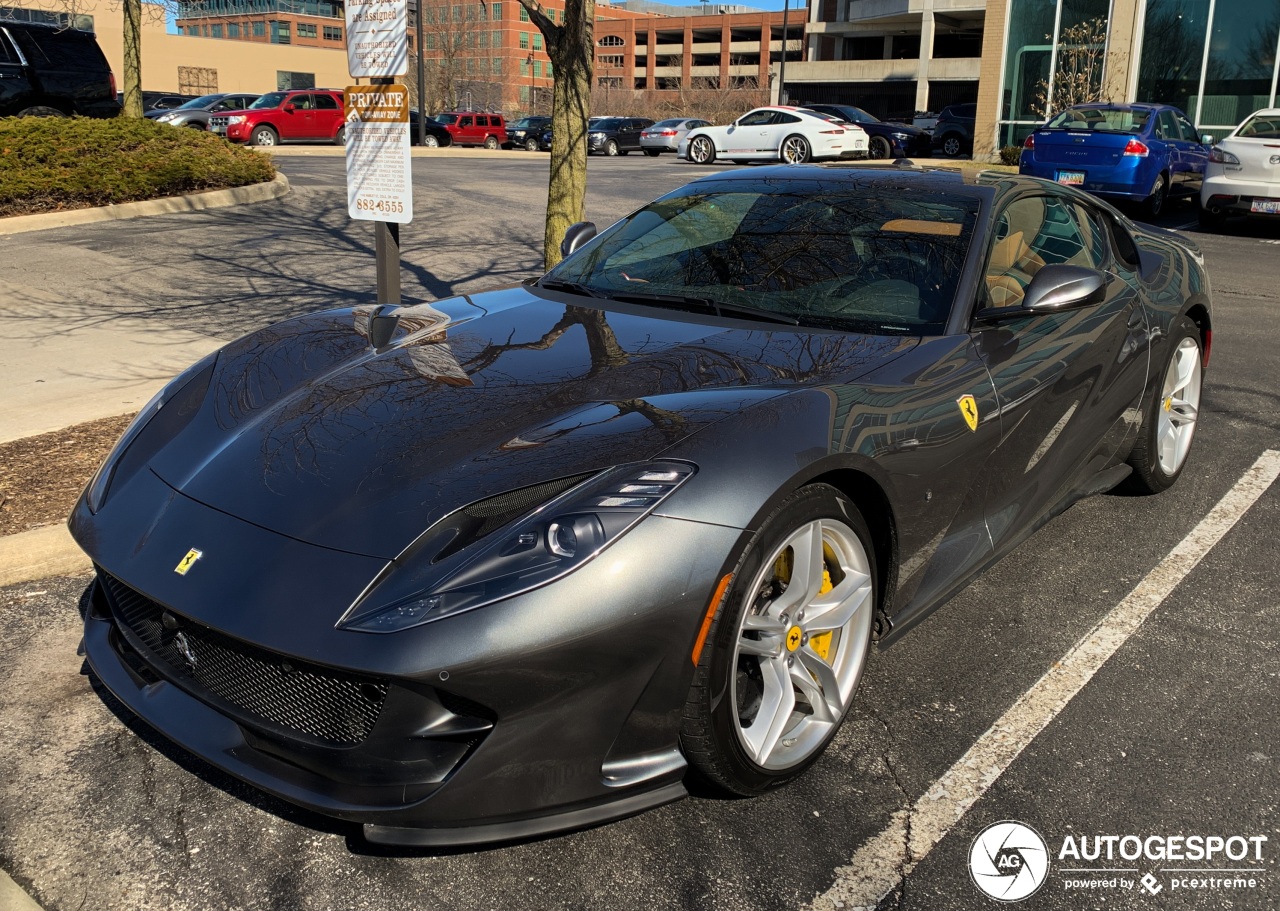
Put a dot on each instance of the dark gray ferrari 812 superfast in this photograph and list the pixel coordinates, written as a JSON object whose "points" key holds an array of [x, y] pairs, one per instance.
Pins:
{"points": [[522, 561]]}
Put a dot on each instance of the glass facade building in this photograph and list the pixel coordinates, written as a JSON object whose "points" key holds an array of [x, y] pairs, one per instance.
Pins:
{"points": [[1217, 60]]}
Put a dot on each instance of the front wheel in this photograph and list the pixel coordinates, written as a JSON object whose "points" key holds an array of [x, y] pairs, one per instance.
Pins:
{"points": [[1170, 420], [531, 145], [795, 150], [264, 136], [786, 647], [878, 147], [702, 150], [431, 142], [952, 146], [611, 148]]}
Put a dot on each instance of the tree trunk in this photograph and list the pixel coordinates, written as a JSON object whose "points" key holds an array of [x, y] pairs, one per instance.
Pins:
{"points": [[132, 74]]}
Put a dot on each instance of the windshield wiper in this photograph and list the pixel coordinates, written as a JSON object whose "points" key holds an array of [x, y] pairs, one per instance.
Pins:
{"points": [[559, 284], [705, 304]]}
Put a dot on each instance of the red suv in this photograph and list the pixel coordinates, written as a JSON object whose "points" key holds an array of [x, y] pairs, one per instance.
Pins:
{"points": [[279, 117], [471, 129]]}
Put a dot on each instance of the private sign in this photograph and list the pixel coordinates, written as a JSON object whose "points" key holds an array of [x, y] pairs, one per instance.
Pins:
{"points": [[379, 166]]}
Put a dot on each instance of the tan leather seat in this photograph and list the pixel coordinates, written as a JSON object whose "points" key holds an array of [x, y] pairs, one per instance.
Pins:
{"points": [[1013, 265]]}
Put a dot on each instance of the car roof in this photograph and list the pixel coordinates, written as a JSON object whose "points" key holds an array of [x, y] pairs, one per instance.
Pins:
{"points": [[950, 180]]}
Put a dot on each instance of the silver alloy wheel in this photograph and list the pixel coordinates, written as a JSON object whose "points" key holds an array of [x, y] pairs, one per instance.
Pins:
{"points": [[795, 150], [491, 142], [264, 136], [951, 146], [701, 151], [531, 145], [788, 696], [431, 142], [1179, 406]]}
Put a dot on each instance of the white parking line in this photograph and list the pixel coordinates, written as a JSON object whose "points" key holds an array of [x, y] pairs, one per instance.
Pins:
{"points": [[881, 863]]}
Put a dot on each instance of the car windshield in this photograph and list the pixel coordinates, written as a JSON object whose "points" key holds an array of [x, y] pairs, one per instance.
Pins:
{"points": [[608, 123], [269, 100], [1260, 126], [445, 119], [202, 102], [817, 252], [1107, 120]]}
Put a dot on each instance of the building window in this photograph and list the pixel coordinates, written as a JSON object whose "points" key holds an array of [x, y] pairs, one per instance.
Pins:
{"points": [[233, 30], [286, 81], [548, 69], [280, 33], [497, 39], [524, 94], [430, 41], [497, 66], [611, 41], [524, 14], [537, 69], [497, 11], [609, 60], [259, 30], [484, 40], [306, 30], [332, 33], [524, 67], [215, 31], [537, 41], [524, 41]]}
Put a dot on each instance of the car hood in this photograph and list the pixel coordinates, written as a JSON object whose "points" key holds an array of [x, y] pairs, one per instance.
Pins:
{"points": [[309, 432]]}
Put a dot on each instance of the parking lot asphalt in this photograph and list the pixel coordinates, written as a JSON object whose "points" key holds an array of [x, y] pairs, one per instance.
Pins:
{"points": [[1175, 734]]}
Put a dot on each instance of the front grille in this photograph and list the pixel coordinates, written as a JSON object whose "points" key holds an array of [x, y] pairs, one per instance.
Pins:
{"points": [[258, 685]]}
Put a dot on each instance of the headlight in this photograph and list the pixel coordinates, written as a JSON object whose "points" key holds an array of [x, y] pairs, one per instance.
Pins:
{"points": [[901, 137], [555, 539], [165, 118], [596, 136], [1222, 156], [237, 118], [183, 394]]}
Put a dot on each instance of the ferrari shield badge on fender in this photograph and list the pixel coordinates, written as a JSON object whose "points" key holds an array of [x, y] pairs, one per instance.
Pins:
{"points": [[969, 408], [185, 564]]}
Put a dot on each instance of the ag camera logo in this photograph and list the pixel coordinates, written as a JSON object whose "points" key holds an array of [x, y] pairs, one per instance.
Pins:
{"points": [[1009, 861]]}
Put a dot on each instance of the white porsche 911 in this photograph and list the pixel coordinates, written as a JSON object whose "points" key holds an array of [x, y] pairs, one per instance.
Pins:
{"points": [[788, 134]]}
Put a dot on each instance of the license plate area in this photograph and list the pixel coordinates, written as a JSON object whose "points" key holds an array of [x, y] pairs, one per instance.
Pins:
{"points": [[1265, 207], [1070, 178]]}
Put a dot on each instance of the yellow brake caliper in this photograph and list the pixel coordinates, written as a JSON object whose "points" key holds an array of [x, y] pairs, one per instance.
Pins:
{"points": [[821, 642]]}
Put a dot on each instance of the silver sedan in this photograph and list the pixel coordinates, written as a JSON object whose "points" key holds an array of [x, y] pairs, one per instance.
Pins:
{"points": [[666, 135]]}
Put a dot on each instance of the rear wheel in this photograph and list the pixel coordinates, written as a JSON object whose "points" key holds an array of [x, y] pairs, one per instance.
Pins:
{"points": [[795, 150], [952, 145], [702, 150], [1153, 205], [264, 136], [878, 147], [431, 142], [786, 647], [340, 139], [1170, 422], [491, 142], [41, 110]]}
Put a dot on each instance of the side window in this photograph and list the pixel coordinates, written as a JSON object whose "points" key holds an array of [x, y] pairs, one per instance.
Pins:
{"points": [[1093, 234], [756, 119], [326, 103], [780, 117], [1012, 262], [1166, 126], [1188, 129], [8, 54], [1122, 243], [464, 121]]}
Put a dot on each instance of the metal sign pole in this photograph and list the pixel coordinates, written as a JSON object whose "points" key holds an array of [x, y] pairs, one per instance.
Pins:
{"points": [[386, 246]]}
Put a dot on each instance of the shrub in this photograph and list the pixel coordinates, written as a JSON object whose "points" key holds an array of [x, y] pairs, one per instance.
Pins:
{"points": [[50, 163], [1009, 155]]}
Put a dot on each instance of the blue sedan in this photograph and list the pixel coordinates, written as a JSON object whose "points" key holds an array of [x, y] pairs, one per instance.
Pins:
{"points": [[1139, 153]]}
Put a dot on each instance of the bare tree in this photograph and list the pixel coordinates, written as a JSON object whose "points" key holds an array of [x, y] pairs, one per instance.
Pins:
{"points": [[570, 45], [1082, 73]]}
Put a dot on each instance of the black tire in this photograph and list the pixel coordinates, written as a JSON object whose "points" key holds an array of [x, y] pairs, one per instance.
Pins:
{"points": [[1155, 470], [952, 145], [702, 150], [714, 731], [878, 147], [795, 150], [340, 138], [653, 153], [1153, 205], [531, 145], [611, 148], [264, 136], [491, 143], [741, 161], [431, 142], [40, 110]]}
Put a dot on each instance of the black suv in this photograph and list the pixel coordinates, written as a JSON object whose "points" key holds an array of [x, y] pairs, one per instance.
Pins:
{"points": [[953, 133], [616, 135], [50, 71], [526, 133]]}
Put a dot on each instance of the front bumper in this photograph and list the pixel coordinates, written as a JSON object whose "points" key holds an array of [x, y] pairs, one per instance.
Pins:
{"points": [[552, 710]]}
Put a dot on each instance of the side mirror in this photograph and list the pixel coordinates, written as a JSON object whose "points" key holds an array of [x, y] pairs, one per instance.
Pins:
{"points": [[1060, 287], [576, 235], [288, 107], [382, 325], [1206, 140]]}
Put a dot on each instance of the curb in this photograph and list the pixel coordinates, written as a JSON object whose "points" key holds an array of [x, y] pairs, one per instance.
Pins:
{"points": [[38, 554], [319, 151], [194, 202], [12, 898]]}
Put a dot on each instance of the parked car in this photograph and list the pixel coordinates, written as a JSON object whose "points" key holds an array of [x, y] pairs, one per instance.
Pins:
{"points": [[1138, 153], [788, 134], [292, 116], [470, 128], [196, 112], [544, 142], [526, 133], [437, 136], [884, 140], [1243, 173], [47, 71], [953, 130], [666, 135], [527, 560], [616, 135]]}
